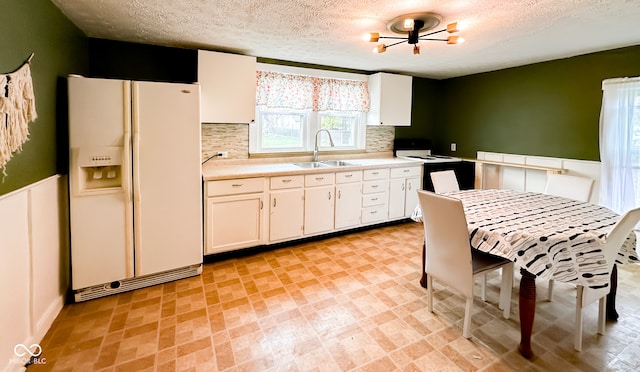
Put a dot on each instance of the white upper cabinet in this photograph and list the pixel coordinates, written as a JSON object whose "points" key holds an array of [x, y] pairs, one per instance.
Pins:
{"points": [[227, 87], [390, 99]]}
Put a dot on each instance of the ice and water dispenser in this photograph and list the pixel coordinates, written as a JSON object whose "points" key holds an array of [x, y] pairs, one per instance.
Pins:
{"points": [[99, 168]]}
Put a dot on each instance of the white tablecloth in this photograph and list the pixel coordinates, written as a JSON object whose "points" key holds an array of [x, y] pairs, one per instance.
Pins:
{"points": [[549, 236]]}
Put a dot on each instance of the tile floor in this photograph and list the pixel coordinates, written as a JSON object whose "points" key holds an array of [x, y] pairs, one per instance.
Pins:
{"points": [[351, 302]]}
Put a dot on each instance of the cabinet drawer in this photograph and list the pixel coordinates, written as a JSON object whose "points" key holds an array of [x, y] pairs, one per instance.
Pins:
{"points": [[286, 182], [405, 172], [319, 179], [237, 186], [376, 174], [369, 187], [378, 198], [347, 177], [374, 214]]}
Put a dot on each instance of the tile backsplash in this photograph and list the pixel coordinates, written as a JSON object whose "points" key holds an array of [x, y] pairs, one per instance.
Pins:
{"points": [[234, 138]]}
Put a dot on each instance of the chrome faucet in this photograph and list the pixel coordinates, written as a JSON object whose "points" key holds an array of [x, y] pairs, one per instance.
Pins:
{"points": [[315, 148]]}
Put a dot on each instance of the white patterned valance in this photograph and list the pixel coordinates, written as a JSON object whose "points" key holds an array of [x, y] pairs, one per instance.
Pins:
{"points": [[301, 92], [17, 109]]}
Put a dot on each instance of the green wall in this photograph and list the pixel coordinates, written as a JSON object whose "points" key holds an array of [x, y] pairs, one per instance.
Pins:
{"points": [[60, 48], [546, 109]]}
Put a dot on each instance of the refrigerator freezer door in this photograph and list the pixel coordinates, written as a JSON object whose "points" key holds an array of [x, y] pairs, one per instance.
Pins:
{"points": [[100, 219], [167, 176]]}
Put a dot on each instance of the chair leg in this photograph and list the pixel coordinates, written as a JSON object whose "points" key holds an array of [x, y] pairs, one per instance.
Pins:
{"points": [[430, 292], [602, 314], [484, 288], [466, 328], [577, 336], [505, 291], [550, 292]]}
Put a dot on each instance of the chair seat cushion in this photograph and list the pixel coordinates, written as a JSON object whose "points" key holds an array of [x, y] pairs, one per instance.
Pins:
{"points": [[483, 261]]}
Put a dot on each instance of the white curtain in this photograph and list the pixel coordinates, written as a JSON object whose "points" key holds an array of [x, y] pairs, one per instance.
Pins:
{"points": [[619, 150]]}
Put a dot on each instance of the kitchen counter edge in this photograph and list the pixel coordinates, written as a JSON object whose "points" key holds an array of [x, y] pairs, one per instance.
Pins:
{"points": [[225, 172]]}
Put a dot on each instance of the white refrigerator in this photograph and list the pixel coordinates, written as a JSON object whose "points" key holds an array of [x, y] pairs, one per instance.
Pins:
{"points": [[135, 184]]}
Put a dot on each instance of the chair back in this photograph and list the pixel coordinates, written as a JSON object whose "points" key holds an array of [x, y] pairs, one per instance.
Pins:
{"points": [[614, 241], [573, 187], [444, 181], [448, 252]]}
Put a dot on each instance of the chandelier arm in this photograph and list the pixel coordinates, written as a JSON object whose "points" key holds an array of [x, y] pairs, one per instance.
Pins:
{"points": [[392, 37], [434, 32], [396, 43], [433, 39]]}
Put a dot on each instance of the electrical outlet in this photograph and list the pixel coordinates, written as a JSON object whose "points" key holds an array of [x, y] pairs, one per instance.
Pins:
{"points": [[223, 154], [454, 147]]}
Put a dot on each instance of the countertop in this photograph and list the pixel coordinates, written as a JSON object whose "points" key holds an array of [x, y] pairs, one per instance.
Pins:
{"points": [[247, 168]]}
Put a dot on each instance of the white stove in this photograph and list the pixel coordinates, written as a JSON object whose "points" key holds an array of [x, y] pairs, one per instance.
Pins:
{"points": [[425, 156]]}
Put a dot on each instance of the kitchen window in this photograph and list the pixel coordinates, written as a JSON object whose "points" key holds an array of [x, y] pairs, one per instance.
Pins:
{"points": [[291, 108]]}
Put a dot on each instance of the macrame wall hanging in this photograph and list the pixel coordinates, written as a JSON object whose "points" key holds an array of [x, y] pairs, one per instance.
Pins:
{"points": [[17, 109]]}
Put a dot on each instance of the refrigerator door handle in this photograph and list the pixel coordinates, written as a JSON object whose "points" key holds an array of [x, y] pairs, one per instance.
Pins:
{"points": [[137, 194], [126, 181]]}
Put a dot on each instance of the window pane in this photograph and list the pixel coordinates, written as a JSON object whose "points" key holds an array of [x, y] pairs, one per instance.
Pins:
{"points": [[282, 130], [342, 128]]}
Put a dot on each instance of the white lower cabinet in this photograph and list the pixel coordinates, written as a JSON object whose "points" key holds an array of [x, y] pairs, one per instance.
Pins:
{"points": [[374, 195], [286, 208], [249, 212], [403, 195], [319, 203], [348, 199], [235, 215]]}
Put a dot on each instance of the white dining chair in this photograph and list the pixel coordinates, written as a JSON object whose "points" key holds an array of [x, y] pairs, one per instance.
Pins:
{"points": [[450, 259], [572, 187], [444, 181], [587, 295]]}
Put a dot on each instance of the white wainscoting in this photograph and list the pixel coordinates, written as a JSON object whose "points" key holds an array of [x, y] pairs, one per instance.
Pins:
{"points": [[34, 264], [522, 179]]}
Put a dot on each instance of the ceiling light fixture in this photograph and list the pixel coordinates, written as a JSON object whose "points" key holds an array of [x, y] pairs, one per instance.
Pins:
{"points": [[412, 25]]}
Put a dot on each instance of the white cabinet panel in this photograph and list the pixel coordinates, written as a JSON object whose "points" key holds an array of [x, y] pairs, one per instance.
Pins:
{"points": [[234, 222], [390, 99], [348, 208], [286, 208], [228, 87], [318, 209]]}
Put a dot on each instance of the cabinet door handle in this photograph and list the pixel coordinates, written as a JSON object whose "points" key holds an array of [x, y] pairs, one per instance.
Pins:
{"points": [[374, 199], [339, 194], [406, 170], [403, 187], [236, 185], [274, 202], [287, 180], [374, 186], [319, 178], [329, 195], [409, 186], [261, 204], [375, 173], [348, 175]]}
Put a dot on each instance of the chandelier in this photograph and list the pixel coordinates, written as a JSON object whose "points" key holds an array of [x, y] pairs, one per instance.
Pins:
{"points": [[417, 27]]}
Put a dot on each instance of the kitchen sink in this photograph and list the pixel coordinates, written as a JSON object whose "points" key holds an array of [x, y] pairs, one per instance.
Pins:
{"points": [[337, 163], [324, 164], [311, 164]]}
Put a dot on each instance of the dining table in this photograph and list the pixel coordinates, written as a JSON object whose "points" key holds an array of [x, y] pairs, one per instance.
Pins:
{"points": [[547, 237]]}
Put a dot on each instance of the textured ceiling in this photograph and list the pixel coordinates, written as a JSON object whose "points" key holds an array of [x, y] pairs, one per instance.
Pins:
{"points": [[499, 33]]}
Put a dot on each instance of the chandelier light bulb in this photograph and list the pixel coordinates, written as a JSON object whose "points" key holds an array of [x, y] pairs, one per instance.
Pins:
{"points": [[416, 49], [408, 24], [381, 48], [371, 37]]}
